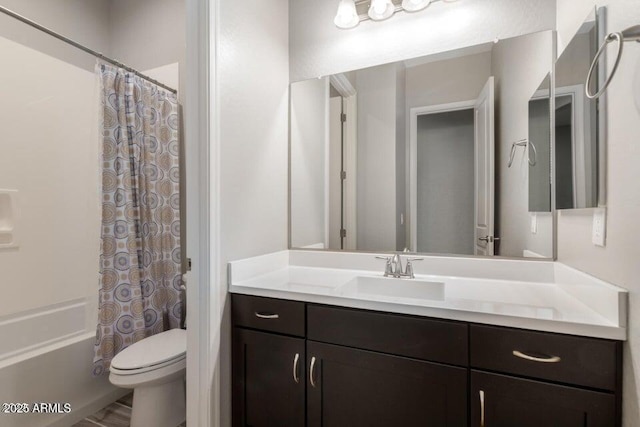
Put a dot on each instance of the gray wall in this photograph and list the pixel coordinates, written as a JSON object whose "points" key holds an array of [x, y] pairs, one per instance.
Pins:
{"points": [[401, 168], [146, 34], [309, 104], [519, 66], [253, 90], [318, 48], [84, 21], [447, 81], [618, 261], [143, 34], [445, 175], [376, 198]]}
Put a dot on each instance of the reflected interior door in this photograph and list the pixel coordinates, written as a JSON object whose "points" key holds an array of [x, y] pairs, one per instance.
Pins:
{"points": [[484, 171], [336, 181]]}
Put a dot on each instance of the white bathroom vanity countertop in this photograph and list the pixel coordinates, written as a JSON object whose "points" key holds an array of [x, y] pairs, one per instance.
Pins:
{"points": [[536, 295]]}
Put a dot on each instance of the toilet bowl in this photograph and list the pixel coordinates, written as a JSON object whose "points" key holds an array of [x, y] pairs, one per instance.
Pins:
{"points": [[155, 369]]}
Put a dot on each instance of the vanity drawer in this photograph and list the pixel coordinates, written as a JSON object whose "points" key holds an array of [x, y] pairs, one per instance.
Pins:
{"points": [[420, 338], [268, 314], [581, 361]]}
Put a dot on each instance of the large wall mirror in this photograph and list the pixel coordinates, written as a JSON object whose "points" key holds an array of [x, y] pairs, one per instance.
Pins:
{"points": [[431, 154]]}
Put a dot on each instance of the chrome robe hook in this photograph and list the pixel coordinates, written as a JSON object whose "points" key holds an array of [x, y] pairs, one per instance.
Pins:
{"points": [[523, 143]]}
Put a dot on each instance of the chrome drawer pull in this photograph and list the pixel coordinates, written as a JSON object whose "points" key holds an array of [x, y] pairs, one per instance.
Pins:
{"points": [[311, 369], [267, 316], [481, 408], [296, 378], [550, 359]]}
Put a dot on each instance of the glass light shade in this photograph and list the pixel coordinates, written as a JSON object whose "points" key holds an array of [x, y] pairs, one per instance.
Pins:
{"points": [[414, 5], [347, 16], [381, 9]]}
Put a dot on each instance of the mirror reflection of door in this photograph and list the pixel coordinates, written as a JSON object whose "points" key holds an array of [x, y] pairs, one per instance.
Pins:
{"points": [[484, 238], [454, 203], [565, 175], [337, 232], [341, 169]]}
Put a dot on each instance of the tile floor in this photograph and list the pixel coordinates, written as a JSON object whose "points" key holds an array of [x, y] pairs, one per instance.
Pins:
{"points": [[118, 414]]}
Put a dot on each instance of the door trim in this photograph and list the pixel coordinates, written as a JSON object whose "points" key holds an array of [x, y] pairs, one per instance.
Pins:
{"points": [[343, 85], [412, 161], [202, 214]]}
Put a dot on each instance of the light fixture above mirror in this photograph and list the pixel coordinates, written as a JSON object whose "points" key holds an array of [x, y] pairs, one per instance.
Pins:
{"points": [[351, 12]]}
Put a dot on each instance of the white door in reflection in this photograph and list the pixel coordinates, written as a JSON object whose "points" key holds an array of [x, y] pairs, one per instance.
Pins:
{"points": [[484, 238]]}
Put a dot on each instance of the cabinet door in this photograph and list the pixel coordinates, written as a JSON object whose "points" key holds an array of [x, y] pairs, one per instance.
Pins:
{"points": [[348, 387], [268, 379], [503, 401]]}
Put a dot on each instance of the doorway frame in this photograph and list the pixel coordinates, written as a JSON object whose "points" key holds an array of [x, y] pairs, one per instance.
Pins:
{"points": [[203, 287], [412, 161], [343, 85]]}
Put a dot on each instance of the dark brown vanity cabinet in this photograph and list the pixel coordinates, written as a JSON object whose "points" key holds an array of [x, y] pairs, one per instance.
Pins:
{"points": [[378, 369], [299, 364], [504, 401], [268, 379], [350, 387], [526, 378]]}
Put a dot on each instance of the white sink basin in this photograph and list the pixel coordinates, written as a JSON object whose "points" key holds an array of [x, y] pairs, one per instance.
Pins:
{"points": [[394, 288]]}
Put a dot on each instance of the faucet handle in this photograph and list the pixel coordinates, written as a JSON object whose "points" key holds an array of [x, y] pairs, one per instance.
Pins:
{"points": [[388, 270], [409, 267]]}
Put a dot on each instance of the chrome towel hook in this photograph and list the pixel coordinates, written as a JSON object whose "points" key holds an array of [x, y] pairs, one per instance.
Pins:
{"points": [[628, 35], [522, 143]]}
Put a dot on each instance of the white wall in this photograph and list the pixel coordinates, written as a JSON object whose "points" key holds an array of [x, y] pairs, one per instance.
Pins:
{"points": [[618, 262], [519, 65], [309, 109], [318, 48], [253, 80], [376, 220]]}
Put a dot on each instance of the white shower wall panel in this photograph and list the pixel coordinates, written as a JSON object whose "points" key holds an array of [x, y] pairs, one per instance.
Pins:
{"points": [[50, 154], [49, 120]]}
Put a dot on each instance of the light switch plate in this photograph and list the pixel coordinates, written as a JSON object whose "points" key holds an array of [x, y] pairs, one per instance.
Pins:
{"points": [[598, 235], [534, 223]]}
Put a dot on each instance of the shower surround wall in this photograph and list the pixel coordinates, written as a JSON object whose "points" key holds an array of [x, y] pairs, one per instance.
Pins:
{"points": [[50, 283]]}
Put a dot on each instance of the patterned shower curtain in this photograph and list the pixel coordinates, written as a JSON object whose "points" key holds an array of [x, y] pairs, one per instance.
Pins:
{"points": [[140, 258]]}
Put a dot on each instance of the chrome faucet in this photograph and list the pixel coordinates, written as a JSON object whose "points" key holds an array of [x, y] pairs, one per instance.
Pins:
{"points": [[393, 266]]}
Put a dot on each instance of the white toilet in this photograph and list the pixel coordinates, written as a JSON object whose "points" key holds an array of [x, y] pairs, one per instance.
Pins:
{"points": [[155, 369]]}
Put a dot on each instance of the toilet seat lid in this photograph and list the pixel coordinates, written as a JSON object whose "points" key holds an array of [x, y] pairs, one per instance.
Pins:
{"points": [[153, 350]]}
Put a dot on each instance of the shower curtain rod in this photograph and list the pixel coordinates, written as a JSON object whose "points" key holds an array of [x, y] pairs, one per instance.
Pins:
{"points": [[73, 43]]}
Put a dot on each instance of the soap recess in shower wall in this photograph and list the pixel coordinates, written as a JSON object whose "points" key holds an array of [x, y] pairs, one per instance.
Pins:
{"points": [[8, 218]]}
